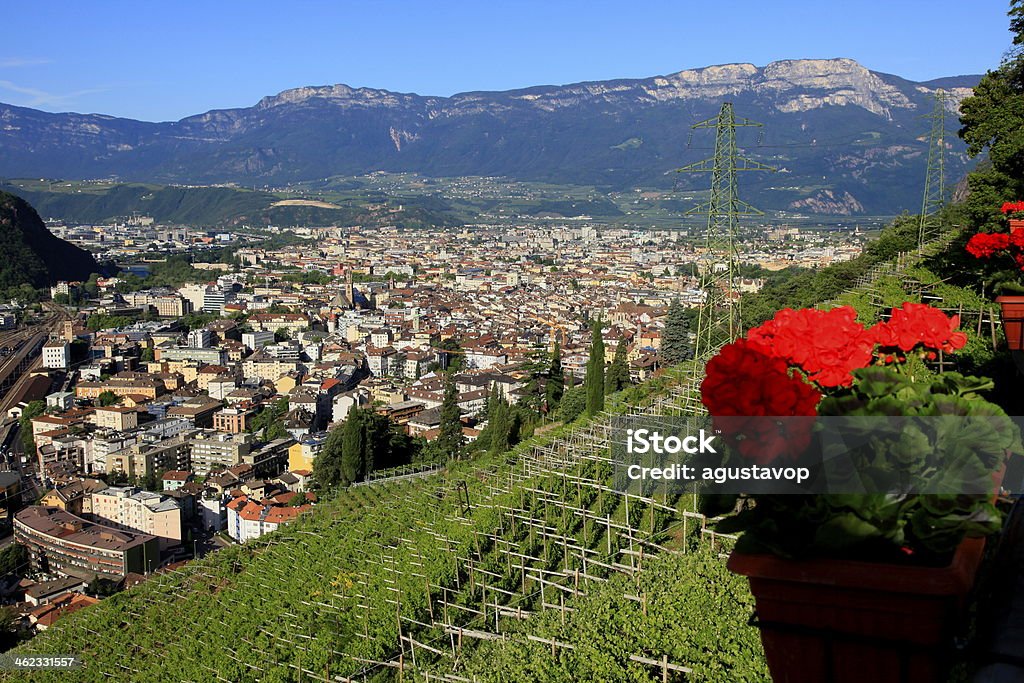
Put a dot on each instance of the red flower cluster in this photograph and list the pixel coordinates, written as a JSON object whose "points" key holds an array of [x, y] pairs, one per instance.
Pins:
{"points": [[826, 345], [914, 324], [745, 388], [1011, 207], [987, 245], [745, 379]]}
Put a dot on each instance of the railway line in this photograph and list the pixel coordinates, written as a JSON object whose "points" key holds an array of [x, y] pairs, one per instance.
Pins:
{"points": [[22, 356]]}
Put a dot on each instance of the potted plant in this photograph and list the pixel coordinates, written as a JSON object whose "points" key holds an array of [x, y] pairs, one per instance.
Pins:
{"points": [[865, 586], [1005, 253]]}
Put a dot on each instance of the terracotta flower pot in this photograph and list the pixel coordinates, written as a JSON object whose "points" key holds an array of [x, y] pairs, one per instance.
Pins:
{"points": [[1016, 223], [1013, 320], [849, 622]]}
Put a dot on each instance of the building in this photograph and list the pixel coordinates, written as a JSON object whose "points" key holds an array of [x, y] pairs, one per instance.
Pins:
{"points": [[257, 340], [233, 420], [57, 355], [116, 417], [59, 542], [248, 519], [200, 339], [10, 494], [214, 300], [129, 507], [172, 480], [209, 356], [212, 451], [302, 454]]}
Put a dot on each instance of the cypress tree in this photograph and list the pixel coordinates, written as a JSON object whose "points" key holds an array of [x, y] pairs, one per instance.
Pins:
{"points": [[594, 380], [500, 426], [555, 387], [617, 377], [353, 447], [675, 340], [449, 441]]}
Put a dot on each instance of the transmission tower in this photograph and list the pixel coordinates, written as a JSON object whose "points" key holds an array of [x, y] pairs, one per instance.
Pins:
{"points": [[934, 179], [718, 318]]}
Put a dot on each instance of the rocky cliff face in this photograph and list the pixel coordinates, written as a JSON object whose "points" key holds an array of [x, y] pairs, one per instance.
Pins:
{"points": [[828, 122]]}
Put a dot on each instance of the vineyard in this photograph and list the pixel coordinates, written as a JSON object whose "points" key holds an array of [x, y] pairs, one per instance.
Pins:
{"points": [[525, 566]]}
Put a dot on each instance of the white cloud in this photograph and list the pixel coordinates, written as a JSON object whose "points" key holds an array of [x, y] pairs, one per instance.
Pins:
{"points": [[37, 98], [17, 62]]}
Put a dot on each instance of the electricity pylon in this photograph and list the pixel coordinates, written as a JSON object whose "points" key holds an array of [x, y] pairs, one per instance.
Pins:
{"points": [[934, 179], [718, 318]]}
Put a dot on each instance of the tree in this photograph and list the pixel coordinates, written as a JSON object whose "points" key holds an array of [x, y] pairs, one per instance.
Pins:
{"points": [[108, 398], [574, 402], [450, 441], [617, 376], [499, 421], [13, 559], [282, 335], [555, 386], [365, 441], [675, 341], [354, 447], [454, 360], [32, 410], [147, 355], [594, 379]]}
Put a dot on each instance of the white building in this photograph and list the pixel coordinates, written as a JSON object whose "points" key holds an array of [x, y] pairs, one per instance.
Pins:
{"points": [[200, 339], [257, 340], [57, 355], [132, 508]]}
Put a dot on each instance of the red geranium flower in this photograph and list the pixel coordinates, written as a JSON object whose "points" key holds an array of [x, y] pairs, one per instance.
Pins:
{"points": [[747, 386], [986, 245], [1010, 207], [914, 324], [827, 345]]}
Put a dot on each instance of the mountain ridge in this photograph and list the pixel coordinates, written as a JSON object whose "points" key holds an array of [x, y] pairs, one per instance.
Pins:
{"points": [[32, 254], [614, 134]]}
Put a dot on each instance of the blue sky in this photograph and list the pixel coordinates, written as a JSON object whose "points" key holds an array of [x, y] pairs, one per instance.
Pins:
{"points": [[162, 61]]}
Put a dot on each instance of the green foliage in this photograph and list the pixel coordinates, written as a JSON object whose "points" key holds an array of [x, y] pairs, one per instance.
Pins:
{"points": [[449, 442], [555, 385], [454, 361], [101, 321], [617, 376], [945, 455], [32, 410], [13, 559], [364, 442], [573, 404], [500, 421], [268, 424], [675, 340], [692, 609], [33, 256], [594, 378], [108, 398]]}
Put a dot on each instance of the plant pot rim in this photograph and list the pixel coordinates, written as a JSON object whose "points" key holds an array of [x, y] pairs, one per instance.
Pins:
{"points": [[953, 579], [1010, 299]]}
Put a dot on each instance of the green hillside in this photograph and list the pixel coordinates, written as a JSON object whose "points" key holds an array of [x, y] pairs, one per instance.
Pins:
{"points": [[32, 255], [404, 579], [98, 202]]}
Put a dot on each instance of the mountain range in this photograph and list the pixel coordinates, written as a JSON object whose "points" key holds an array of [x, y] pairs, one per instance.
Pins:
{"points": [[845, 139]]}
